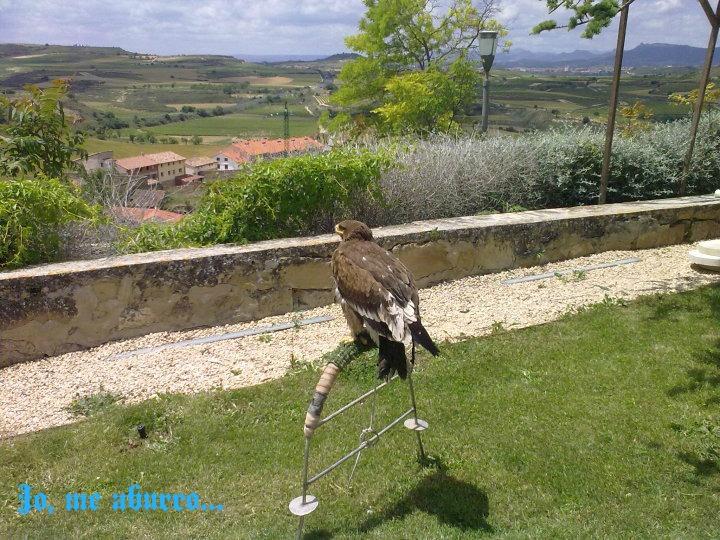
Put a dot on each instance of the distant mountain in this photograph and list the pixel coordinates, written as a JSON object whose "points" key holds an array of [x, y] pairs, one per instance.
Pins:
{"points": [[274, 58], [525, 58], [665, 54], [644, 55], [294, 58], [339, 56], [20, 50]]}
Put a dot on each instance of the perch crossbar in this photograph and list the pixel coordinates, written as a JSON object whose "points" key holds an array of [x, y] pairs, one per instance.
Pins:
{"points": [[307, 503]]}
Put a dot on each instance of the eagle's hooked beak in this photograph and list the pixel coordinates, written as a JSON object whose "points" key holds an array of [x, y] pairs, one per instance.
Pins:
{"points": [[338, 230]]}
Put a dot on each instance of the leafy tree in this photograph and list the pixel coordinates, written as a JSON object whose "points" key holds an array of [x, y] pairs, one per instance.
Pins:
{"points": [[340, 123], [425, 101], [398, 38], [196, 140], [32, 212], [38, 138], [712, 96], [595, 14], [638, 117]]}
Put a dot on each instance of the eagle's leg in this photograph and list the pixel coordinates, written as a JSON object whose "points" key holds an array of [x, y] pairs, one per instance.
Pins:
{"points": [[391, 359], [356, 325]]}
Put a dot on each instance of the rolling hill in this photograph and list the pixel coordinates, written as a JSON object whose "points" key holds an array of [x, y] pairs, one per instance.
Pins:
{"points": [[644, 55]]}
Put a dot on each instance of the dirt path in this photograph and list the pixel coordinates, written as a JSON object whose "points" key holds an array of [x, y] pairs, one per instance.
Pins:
{"points": [[34, 394]]}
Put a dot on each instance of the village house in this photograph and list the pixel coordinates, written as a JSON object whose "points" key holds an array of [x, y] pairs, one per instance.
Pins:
{"points": [[161, 168], [200, 165], [230, 159], [97, 161], [247, 150]]}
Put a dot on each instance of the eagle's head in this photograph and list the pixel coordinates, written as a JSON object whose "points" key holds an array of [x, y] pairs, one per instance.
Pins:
{"points": [[353, 230]]}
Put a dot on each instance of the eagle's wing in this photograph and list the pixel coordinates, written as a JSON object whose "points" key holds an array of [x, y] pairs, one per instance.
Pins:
{"points": [[376, 285]]}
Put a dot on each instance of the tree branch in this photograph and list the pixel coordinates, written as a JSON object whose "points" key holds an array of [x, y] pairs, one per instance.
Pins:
{"points": [[562, 4], [705, 4], [623, 6]]}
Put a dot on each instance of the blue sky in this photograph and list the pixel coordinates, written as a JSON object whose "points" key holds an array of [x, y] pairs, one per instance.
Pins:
{"points": [[295, 26]]}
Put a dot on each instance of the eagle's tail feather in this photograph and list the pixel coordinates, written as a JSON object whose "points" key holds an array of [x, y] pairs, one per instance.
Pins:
{"points": [[391, 358], [421, 336]]}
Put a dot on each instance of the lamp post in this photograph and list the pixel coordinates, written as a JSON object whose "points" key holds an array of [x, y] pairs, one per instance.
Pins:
{"points": [[487, 43]]}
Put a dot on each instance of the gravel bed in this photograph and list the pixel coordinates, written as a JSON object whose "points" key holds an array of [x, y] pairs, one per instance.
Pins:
{"points": [[34, 394]]}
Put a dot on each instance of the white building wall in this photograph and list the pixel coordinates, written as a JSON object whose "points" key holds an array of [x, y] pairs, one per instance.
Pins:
{"points": [[226, 163]]}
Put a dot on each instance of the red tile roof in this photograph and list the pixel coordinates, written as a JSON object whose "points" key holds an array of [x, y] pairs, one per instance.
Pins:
{"points": [[148, 160], [199, 161], [259, 147], [139, 215], [188, 179], [237, 155], [147, 198]]}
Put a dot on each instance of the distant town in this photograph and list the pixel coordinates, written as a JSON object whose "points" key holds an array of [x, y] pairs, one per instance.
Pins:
{"points": [[154, 175]]}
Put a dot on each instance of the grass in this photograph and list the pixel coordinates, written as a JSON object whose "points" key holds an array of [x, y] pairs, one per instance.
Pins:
{"points": [[238, 125], [602, 424], [92, 404]]}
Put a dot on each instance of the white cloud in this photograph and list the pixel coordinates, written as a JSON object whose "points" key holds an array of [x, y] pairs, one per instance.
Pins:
{"points": [[296, 26], [667, 5]]}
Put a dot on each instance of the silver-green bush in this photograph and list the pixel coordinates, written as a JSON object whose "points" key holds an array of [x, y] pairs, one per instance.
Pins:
{"points": [[444, 177]]}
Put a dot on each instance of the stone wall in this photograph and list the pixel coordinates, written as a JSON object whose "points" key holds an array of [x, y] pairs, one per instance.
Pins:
{"points": [[53, 309]]}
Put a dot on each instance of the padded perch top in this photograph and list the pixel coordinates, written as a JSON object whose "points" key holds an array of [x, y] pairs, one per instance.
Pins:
{"points": [[337, 360]]}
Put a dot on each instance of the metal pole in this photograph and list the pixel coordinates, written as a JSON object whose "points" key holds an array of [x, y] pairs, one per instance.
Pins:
{"points": [[610, 130], [486, 101], [697, 110], [305, 469], [365, 444], [370, 430], [354, 402], [414, 408], [307, 503], [306, 456]]}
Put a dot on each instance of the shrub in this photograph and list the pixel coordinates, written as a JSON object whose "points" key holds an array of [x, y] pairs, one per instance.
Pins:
{"points": [[38, 138], [441, 176], [32, 211], [444, 176], [273, 199]]}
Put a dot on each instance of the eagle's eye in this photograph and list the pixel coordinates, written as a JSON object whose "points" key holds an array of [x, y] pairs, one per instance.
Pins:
{"points": [[339, 229]]}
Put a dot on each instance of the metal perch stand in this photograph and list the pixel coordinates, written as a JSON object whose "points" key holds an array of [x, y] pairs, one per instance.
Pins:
{"points": [[307, 503]]}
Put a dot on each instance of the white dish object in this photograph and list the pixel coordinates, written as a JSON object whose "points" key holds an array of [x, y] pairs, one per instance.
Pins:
{"points": [[707, 255]]}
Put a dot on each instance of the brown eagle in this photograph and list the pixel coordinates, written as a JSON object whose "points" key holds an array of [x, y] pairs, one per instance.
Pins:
{"points": [[378, 297]]}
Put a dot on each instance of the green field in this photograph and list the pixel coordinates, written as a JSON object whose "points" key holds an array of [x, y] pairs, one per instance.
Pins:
{"points": [[604, 424], [515, 93], [148, 92], [244, 124], [122, 149]]}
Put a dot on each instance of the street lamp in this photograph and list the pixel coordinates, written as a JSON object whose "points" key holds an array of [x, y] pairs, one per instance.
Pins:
{"points": [[487, 44]]}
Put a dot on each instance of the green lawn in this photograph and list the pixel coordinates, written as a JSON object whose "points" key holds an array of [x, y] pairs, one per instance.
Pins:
{"points": [[603, 424], [239, 125]]}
